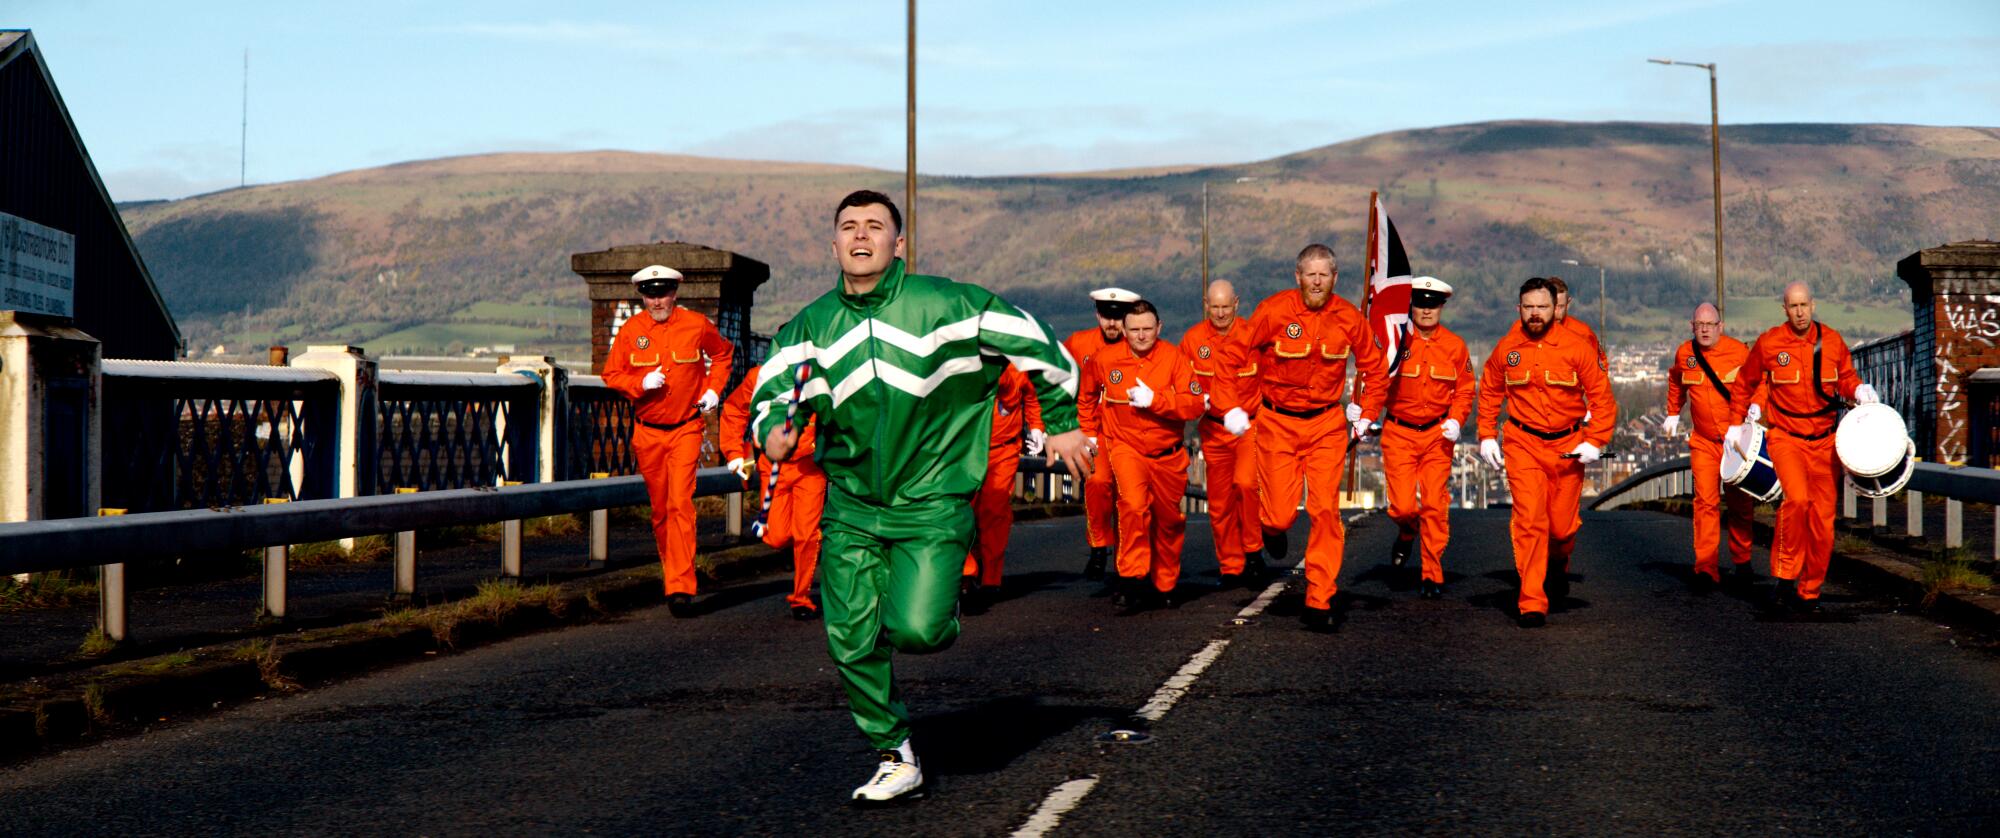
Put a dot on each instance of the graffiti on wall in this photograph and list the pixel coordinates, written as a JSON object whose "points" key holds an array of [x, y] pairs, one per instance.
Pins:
{"points": [[1970, 319]]}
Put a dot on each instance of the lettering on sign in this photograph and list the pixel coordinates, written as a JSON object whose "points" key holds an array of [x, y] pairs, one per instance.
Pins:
{"points": [[37, 267]]}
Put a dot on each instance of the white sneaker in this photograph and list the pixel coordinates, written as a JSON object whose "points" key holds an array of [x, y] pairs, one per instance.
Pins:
{"points": [[897, 776]]}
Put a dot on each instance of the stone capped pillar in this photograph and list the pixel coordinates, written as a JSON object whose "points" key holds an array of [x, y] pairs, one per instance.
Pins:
{"points": [[357, 461], [1955, 289], [51, 386]]}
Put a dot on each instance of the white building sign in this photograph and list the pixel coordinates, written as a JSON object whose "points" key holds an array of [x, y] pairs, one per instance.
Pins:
{"points": [[37, 268]]}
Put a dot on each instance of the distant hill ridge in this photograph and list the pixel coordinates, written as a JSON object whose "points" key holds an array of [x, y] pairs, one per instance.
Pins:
{"points": [[437, 255]]}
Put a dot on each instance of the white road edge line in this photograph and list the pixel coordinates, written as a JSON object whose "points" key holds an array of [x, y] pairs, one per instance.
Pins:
{"points": [[1163, 699], [1263, 600], [1059, 802]]}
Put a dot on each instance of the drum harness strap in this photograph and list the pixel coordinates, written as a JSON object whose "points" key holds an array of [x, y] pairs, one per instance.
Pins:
{"points": [[1714, 379], [1832, 404]]}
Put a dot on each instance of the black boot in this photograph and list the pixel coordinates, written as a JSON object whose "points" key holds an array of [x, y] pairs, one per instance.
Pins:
{"points": [[1782, 595], [1277, 543], [1399, 553], [1094, 569], [1134, 596], [1431, 590]]}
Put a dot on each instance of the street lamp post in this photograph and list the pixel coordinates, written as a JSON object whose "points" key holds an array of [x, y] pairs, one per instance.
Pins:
{"points": [[1715, 157], [1204, 234], [910, 144], [1602, 322]]}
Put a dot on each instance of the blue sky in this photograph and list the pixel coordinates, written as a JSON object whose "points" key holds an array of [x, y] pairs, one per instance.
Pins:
{"points": [[1013, 87]]}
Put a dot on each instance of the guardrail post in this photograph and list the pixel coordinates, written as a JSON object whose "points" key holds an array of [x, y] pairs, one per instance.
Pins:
{"points": [[732, 519], [277, 562], [51, 386], [1954, 523], [1913, 513], [549, 417], [510, 543], [1847, 496], [600, 528], [406, 556], [111, 593], [1880, 518]]}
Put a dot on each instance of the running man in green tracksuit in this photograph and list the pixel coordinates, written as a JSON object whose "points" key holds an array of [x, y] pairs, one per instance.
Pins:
{"points": [[902, 371]]}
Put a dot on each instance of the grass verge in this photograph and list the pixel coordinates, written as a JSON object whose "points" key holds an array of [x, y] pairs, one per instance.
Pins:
{"points": [[491, 603], [45, 590], [1952, 572]]}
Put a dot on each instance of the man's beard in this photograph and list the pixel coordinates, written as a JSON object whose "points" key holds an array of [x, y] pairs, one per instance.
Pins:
{"points": [[1533, 329]]}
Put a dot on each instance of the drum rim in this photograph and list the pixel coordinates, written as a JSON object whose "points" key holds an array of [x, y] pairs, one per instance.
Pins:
{"points": [[1907, 467], [1749, 464]]}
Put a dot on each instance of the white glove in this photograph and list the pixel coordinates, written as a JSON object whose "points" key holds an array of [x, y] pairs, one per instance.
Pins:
{"points": [[1451, 429], [1865, 394], [1236, 421], [1672, 426], [708, 401], [1037, 439], [1734, 437], [654, 380], [741, 466], [1353, 413], [1489, 450], [1755, 413], [1356, 426], [1586, 417], [1140, 395], [1586, 453]]}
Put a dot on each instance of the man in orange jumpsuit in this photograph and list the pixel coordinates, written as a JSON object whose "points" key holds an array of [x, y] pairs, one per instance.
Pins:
{"points": [[1549, 379], [1429, 397], [1706, 371], [1301, 341], [1231, 480], [797, 498], [672, 364], [1099, 509], [1809, 373], [1015, 411], [1138, 396]]}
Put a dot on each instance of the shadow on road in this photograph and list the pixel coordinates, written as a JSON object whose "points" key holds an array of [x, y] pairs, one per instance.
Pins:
{"points": [[987, 738], [735, 595]]}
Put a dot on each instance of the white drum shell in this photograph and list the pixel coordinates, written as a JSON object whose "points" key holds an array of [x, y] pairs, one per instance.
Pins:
{"points": [[1890, 482], [1735, 466], [1871, 440]]}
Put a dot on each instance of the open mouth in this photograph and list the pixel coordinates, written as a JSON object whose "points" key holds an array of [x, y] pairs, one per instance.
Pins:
{"points": [[861, 253]]}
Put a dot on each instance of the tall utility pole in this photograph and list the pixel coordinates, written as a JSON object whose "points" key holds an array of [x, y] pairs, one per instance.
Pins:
{"points": [[910, 146], [1204, 246], [1715, 158], [243, 147], [1602, 322]]}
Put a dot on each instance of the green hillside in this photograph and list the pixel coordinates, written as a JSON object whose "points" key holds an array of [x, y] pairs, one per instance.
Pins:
{"points": [[463, 252]]}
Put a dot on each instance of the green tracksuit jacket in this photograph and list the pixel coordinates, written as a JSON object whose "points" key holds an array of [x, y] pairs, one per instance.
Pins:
{"points": [[901, 384]]}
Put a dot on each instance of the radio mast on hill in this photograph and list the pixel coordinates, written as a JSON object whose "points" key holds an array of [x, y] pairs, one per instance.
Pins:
{"points": [[243, 147]]}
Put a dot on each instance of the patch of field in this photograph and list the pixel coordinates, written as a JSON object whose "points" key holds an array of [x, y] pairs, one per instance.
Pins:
{"points": [[1749, 317], [524, 314]]}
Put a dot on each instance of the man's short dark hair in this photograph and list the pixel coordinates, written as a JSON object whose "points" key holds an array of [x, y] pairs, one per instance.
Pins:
{"points": [[1539, 283], [1143, 307], [865, 197], [1557, 287], [1317, 251]]}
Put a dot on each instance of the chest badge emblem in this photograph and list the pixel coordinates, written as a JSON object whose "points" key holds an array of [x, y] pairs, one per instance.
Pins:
{"points": [[1117, 376], [1784, 359], [1513, 359], [644, 342], [1293, 330], [1202, 353], [1690, 362]]}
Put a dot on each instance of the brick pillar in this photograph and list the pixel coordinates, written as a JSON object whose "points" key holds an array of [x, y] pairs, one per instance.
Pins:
{"points": [[1958, 286]]}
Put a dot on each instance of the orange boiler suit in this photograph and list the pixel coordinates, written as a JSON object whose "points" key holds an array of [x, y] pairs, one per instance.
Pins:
{"points": [[1301, 356], [1015, 410], [1548, 386], [1582, 330], [792, 519], [1099, 507], [1231, 480], [1801, 420], [1434, 383], [1147, 451], [1714, 504], [667, 427]]}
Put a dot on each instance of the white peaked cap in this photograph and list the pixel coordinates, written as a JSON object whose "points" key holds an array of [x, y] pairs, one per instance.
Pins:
{"points": [[652, 273]]}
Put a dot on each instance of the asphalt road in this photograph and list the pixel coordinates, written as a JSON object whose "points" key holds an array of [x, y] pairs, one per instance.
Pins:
{"points": [[1642, 708]]}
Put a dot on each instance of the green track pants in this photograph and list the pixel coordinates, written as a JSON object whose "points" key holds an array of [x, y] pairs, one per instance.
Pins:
{"points": [[888, 580]]}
